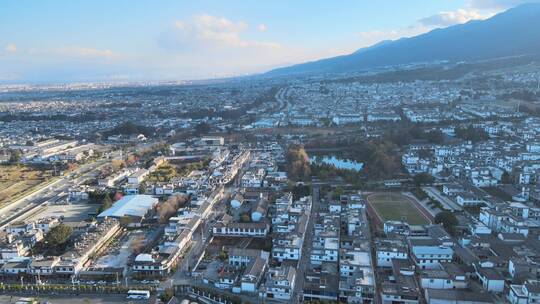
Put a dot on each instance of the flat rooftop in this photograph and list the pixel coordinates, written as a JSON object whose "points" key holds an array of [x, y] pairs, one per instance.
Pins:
{"points": [[130, 205]]}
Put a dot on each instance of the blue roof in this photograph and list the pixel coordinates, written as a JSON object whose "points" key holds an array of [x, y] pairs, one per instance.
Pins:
{"points": [[130, 205]]}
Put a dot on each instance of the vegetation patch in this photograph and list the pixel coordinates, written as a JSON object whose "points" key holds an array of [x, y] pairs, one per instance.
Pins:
{"points": [[396, 207]]}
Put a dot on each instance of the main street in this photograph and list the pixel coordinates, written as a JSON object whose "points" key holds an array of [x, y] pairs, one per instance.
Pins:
{"points": [[304, 261], [202, 237], [80, 299]]}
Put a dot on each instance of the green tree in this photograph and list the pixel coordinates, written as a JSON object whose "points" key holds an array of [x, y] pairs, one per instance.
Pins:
{"points": [[471, 133], [106, 203], [423, 179], [448, 220], [300, 191], [202, 128], [167, 295], [337, 193], [223, 256], [58, 235], [435, 137], [15, 157], [506, 178]]}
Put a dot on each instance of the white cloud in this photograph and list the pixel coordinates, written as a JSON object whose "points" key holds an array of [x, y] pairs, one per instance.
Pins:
{"points": [[210, 31], [11, 48], [262, 27], [459, 16], [424, 25], [218, 46]]}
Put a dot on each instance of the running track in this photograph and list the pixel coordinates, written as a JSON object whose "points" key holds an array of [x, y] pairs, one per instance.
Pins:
{"points": [[379, 221]]}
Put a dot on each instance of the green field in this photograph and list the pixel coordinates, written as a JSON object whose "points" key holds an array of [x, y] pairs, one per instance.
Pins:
{"points": [[396, 207]]}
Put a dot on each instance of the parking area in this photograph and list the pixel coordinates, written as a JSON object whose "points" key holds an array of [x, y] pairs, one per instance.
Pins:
{"points": [[73, 213]]}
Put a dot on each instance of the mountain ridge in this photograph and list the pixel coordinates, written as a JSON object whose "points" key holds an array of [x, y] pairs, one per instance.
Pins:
{"points": [[511, 33]]}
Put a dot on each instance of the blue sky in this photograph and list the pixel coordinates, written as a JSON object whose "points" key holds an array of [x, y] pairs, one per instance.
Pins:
{"points": [[97, 40]]}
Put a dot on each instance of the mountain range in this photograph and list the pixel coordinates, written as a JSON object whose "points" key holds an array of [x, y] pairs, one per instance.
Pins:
{"points": [[514, 32]]}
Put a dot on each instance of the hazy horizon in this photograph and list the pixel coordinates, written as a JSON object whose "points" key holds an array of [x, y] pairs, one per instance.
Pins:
{"points": [[133, 41]]}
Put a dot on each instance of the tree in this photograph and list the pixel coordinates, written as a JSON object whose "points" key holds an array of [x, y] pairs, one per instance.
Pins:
{"points": [[298, 163], [129, 128], [202, 128], [168, 208], [15, 157], [337, 193], [435, 137], [423, 179], [117, 164], [167, 295], [471, 133], [106, 203], [448, 220], [58, 235], [142, 189], [131, 160], [506, 178], [300, 191], [223, 256]]}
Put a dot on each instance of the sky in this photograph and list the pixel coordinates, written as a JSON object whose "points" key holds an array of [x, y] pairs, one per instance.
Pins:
{"points": [[46, 41]]}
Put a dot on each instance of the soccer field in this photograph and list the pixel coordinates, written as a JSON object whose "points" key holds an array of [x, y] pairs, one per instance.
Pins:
{"points": [[397, 207]]}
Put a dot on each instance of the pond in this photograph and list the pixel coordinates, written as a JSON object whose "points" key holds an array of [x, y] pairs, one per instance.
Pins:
{"points": [[340, 163]]}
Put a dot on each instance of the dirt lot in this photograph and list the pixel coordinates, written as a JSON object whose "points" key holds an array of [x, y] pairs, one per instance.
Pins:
{"points": [[15, 181]]}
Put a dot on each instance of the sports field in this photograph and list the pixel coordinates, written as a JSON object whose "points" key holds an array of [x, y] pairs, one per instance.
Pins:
{"points": [[397, 207]]}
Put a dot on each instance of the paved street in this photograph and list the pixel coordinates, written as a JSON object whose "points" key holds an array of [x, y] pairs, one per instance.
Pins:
{"points": [[80, 299], [306, 248], [201, 238], [435, 194]]}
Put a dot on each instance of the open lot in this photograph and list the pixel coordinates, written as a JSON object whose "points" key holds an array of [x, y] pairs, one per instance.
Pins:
{"points": [[73, 213], [15, 181], [397, 207], [120, 250]]}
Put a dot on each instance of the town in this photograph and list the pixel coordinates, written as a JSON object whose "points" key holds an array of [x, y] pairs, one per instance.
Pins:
{"points": [[351, 189]]}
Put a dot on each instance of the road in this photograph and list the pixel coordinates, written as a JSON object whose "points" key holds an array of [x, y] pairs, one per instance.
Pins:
{"points": [[281, 98], [72, 299], [202, 237], [435, 194], [304, 261]]}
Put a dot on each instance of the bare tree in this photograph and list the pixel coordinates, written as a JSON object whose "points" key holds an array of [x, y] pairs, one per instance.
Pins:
{"points": [[169, 207]]}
